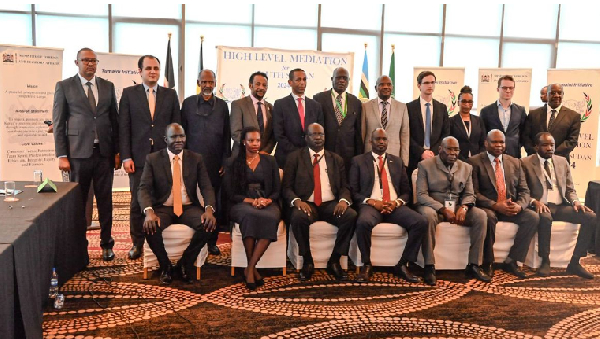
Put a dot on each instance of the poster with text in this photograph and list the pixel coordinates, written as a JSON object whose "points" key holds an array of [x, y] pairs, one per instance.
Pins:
{"points": [[487, 92], [449, 81]]}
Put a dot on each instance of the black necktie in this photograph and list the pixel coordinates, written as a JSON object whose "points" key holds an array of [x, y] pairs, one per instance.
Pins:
{"points": [[552, 117], [549, 173], [92, 101], [260, 118]]}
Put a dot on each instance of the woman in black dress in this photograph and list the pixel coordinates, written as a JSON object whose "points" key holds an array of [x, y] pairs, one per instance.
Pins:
{"points": [[252, 184], [467, 128]]}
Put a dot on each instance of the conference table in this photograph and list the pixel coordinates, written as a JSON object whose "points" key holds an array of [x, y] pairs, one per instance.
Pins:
{"points": [[37, 233]]}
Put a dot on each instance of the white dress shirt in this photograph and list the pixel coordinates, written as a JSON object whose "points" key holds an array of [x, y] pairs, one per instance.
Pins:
{"points": [[326, 192], [424, 114], [84, 82], [303, 97], [552, 194], [549, 113], [185, 199], [263, 109], [492, 160], [377, 192], [504, 114], [146, 90]]}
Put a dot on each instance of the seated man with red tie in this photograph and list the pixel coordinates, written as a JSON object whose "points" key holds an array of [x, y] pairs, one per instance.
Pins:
{"points": [[314, 185], [168, 195]]}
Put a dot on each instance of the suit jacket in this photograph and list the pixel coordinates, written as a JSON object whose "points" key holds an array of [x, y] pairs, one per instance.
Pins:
{"points": [[565, 130], [157, 180], [537, 182], [484, 181], [298, 180], [397, 128], [74, 121], [345, 139], [286, 125], [362, 177], [140, 133], [272, 182], [243, 115], [514, 133], [434, 179], [473, 142], [439, 130]]}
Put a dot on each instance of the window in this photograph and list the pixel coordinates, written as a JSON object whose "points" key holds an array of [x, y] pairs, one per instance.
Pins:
{"points": [[274, 13], [413, 17], [519, 21], [534, 56], [219, 12], [481, 19], [351, 16], [15, 29], [147, 10], [284, 38]]}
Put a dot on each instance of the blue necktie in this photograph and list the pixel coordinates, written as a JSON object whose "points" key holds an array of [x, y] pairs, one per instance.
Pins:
{"points": [[427, 125]]}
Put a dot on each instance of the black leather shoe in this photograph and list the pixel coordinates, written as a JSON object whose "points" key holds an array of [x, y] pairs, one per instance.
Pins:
{"points": [[335, 269], [307, 271], [183, 274], [135, 252], [401, 271], [429, 275], [108, 254], [474, 271], [214, 250], [165, 276], [488, 269], [578, 270], [513, 269], [365, 273], [544, 269]]}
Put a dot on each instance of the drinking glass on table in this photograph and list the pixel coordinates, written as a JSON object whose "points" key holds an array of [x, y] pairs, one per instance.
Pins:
{"points": [[9, 191]]}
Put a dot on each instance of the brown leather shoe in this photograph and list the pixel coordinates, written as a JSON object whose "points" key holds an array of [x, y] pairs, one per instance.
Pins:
{"points": [[365, 273]]}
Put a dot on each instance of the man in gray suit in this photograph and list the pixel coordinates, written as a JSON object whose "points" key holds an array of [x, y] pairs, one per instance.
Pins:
{"points": [[554, 198], [389, 114], [445, 193], [253, 110], [86, 136]]}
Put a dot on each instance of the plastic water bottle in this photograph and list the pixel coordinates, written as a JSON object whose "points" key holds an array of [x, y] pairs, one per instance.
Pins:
{"points": [[53, 284], [59, 301]]}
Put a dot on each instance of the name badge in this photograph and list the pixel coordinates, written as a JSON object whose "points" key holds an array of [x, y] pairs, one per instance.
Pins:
{"points": [[450, 204]]}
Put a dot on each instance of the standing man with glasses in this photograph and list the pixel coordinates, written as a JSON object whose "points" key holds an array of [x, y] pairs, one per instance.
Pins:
{"points": [[86, 137], [506, 116], [428, 122], [146, 110]]}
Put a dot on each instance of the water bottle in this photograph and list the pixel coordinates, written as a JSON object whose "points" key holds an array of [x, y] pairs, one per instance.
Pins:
{"points": [[59, 301], [53, 284]]}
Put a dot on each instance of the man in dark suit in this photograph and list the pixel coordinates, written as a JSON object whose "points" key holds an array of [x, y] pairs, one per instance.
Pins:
{"points": [[168, 195], [206, 120], [554, 198], [428, 120], [501, 192], [253, 110], [292, 115], [86, 136], [380, 188], [315, 187], [506, 116], [145, 111], [342, 114], [563, 123]]}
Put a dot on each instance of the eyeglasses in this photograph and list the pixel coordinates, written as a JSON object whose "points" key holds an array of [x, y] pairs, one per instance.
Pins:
{"points": [[90, 61], [504, 88], [465, 101], [428, 83], [342, 78], [316, 134]]}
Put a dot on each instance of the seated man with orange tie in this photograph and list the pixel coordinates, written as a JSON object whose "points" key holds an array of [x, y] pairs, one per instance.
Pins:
{"points": [[314, 185], [168, 195], [380, 188]]}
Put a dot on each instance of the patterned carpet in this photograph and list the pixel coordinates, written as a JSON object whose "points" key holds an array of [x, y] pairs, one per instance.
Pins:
{"points": [[111, 300]]}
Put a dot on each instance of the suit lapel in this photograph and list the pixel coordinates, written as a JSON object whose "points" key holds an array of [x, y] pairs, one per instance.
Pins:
{"points": [[330, 168], [167, 167], [419, 116], [558, 173], [81, 91], [160, 94], [508, 173], [307, 161], [249, 106], [488, 168], [559, 117], [141, 96], [294, 108], [375, 107], [394, 175], [538, 172], [368, 158], [460, 126]]}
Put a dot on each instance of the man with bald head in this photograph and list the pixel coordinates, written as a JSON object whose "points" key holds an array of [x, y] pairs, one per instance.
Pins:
{"points": [[342, 116], [380, 189], [389, 114], [502, 193], [205, 119], [563, 123], [445, 193]]}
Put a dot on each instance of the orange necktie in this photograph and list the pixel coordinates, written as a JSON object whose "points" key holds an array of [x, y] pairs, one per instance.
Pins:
{"points": [[151, 102], [176, 191], [500, 181]]}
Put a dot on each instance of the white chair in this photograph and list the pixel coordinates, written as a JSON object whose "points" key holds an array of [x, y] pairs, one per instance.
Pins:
{"points": [[387, 243], [562, 243], [322, 241], [176, 238], [274, 256]]}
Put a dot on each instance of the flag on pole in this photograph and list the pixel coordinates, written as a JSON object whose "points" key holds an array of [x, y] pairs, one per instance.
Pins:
{"points": [[363, 95], [169, 81], [392, 73], [200, 63]]}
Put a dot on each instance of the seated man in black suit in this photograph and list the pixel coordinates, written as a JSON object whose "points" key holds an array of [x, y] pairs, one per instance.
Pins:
{"points": [[380, 188], [501, 192], [314, 186], [167, 195]]}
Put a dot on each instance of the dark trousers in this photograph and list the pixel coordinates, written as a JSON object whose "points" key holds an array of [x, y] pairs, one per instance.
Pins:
{"points": [[89, 207], [136, 217], [588, 221], [527, 220], [97, 170], [300, 223], [414, 223], [191, 217]]}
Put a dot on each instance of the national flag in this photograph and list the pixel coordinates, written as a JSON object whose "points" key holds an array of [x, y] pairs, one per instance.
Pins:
{"points": [[392, 73], [169, 81], [200, 63], [363, 95]]}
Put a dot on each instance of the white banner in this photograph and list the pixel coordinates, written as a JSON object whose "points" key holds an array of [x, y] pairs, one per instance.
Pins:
{"points": [[487, 91], [582, 94], [449, 81], [27, 79], [121, 70], [235, 64]]}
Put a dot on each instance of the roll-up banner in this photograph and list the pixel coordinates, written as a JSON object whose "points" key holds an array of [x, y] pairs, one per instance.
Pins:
{"points": [[449, 81], [487, 92]]}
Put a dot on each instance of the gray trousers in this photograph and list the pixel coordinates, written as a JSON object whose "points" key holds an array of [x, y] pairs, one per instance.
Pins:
{"points": [[476, 219]]}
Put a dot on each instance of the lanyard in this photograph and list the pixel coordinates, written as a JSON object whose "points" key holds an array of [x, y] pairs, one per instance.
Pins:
{"points": [[469, 128], [339, 104]]}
